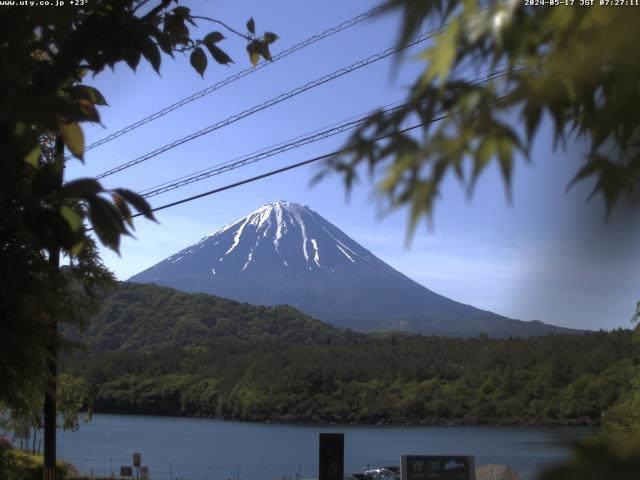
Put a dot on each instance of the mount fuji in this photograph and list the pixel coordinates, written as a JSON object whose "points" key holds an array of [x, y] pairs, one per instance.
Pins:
{"points": [[285, 253]]}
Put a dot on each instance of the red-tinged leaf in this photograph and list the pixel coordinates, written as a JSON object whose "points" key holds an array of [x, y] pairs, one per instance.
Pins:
{"points": [[89, 110], [122, 206]]}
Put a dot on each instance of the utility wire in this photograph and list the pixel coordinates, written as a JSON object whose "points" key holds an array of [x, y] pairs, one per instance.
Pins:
{"points": [[302, 163], [273, 101], [282, 147], [280, 170], [261, 155], [237, 76], [256, 152]]}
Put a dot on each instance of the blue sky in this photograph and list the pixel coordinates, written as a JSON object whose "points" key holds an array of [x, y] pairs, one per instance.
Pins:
{"points": [[546, 255]]}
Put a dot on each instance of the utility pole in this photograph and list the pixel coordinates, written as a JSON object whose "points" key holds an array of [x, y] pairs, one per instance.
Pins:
{"points": [[331, 456], [50, 394]]}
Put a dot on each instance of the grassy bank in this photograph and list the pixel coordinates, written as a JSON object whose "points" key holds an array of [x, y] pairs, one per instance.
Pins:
{"points": [[19, 465]]}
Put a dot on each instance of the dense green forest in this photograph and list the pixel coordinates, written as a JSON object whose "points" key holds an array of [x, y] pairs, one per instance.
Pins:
{"points": [[138, 317], [154, 350], [554, 379]]}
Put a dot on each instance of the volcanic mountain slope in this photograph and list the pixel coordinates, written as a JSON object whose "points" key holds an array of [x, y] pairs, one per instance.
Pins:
{"points": [[285, 253]]}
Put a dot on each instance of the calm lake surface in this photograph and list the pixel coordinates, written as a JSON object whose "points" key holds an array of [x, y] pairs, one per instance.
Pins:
{"points": [[199, 449]]}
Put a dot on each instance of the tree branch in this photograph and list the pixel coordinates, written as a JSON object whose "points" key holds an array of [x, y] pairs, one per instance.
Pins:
{"points": [[140, 4], [157, 9], [246, 37]]}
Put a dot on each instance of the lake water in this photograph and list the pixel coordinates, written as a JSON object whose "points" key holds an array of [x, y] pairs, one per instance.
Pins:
{"points": [[199, 449]]}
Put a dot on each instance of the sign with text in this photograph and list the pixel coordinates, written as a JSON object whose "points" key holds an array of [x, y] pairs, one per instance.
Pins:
{"points": [[137, 459], [437, 467], [126, 471]]}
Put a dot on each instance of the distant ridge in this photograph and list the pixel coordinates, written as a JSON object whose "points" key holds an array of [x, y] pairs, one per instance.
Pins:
{"points": [[285, 253], [138, 317]]}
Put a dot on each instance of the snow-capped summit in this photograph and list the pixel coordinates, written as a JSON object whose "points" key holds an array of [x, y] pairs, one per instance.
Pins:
{"points": [[282, 236], [285, 253]]}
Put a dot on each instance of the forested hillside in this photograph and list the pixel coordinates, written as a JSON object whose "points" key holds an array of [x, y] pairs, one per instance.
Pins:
{"points": [[146, 317], [555, 379]]}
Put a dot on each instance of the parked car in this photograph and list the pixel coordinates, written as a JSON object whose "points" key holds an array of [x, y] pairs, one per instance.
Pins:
{"points": [[388, 472]]}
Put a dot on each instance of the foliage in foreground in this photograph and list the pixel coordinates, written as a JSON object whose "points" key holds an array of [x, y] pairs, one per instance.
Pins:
{"points": [[45, 56], [615, 452], [576, 66], [17, 465], [607, 456], [555, 379]]}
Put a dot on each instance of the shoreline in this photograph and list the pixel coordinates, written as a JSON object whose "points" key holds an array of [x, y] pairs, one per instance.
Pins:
{"points": [[333, 423]]}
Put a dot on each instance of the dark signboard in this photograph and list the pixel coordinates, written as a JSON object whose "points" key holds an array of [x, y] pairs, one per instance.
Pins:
{"points": [[126, 471], [331, 461], [437, 467], [137, 459]]}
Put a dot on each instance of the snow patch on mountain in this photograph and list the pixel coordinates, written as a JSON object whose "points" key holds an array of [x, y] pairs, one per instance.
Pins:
{"points": [[291, 232], [236, 237], [272, 225], [281, 226], [346, 254], [316, 256]]}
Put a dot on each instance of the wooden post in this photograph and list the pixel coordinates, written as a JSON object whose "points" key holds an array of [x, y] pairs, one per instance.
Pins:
{"points": [[50, 394], [331, 458]]}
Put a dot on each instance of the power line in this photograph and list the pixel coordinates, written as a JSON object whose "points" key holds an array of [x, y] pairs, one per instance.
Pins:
{"points": [[493, 75], [256, 152], [237, 76], [260, 155], [311, 137], [280, 170], [273, 101]]}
